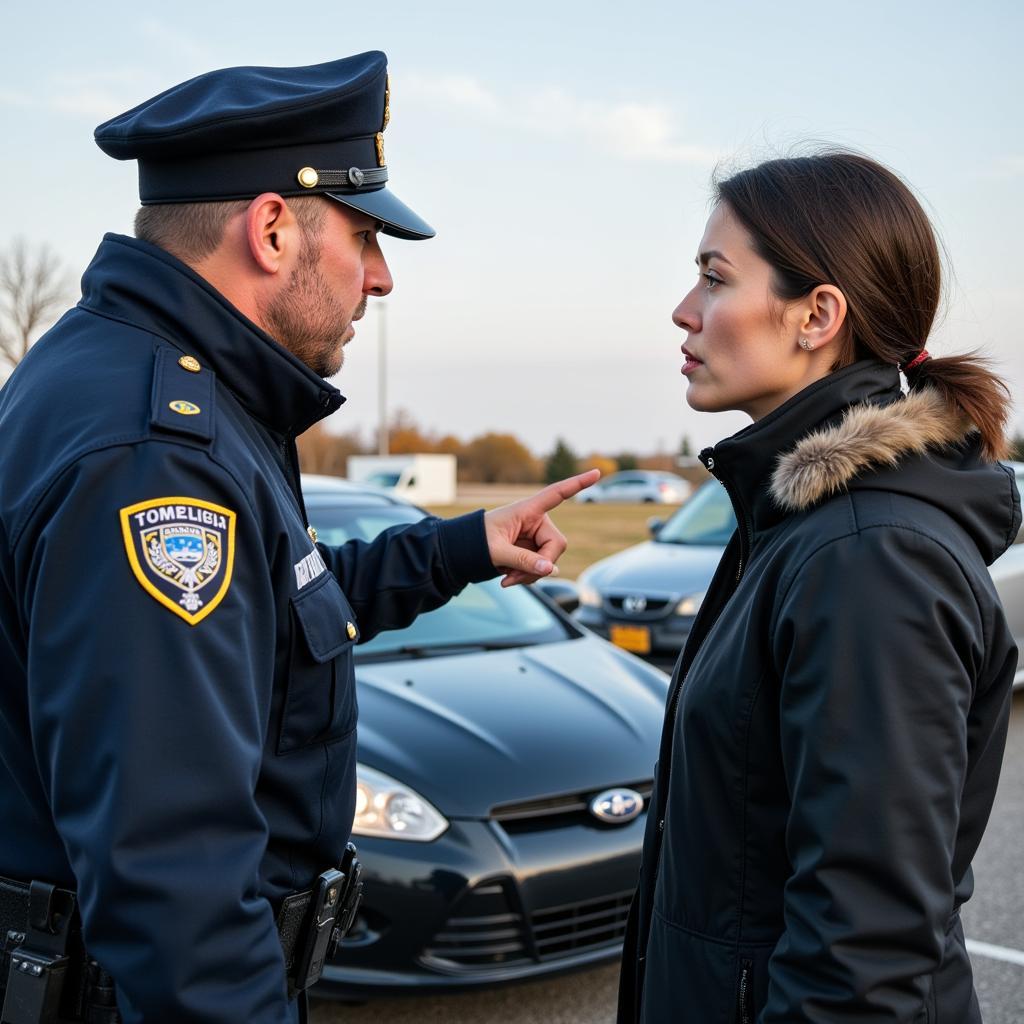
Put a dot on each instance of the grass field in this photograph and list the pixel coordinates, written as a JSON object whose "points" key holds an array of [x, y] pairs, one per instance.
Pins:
{"points": [[593, 531]]}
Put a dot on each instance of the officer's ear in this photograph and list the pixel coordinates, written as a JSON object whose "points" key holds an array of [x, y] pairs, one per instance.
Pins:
{"points": [[272, 232]]}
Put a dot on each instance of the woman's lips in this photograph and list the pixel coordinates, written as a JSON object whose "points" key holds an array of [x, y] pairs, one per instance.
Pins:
{"points": [[690, 365]]}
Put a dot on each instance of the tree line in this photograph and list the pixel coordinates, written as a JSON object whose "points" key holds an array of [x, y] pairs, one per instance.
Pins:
{"points": [[489, 458]]}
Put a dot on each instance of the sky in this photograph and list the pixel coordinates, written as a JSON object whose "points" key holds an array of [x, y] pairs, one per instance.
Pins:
{"points": [[564, 153]]}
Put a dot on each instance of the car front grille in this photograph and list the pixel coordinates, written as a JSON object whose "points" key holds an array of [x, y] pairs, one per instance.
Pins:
{"points": [[574, 927], [557, 811], [486, 932], [653, 606], [483, 932]]}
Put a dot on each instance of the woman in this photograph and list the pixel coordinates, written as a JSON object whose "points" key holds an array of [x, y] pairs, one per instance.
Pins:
{"points": [[836, 722]]}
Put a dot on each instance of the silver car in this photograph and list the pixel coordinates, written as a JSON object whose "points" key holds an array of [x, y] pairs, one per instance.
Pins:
{"points": [[1008, 575], [640, 486], [644, 598]]}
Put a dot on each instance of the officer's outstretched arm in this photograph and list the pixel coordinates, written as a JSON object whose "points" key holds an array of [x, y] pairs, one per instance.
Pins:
{"points": [[408, 570]]}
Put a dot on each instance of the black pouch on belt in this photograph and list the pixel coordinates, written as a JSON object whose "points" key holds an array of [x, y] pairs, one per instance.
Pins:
{"points": [[312, 923]]}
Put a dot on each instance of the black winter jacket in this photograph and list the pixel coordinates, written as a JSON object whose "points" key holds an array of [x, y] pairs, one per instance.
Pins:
{"points": [[835, 725]]}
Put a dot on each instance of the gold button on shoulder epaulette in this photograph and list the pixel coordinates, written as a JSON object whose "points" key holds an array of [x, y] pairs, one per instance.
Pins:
{"points": [[312, 533], [351, 630], [189, 363]]}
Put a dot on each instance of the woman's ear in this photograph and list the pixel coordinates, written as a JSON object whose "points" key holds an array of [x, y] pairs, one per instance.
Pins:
{"points": [[822, 316]]}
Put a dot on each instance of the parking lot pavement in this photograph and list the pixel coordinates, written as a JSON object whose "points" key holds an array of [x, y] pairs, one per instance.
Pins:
{"points": [[995, 917], [587, 996], [995, 914]]}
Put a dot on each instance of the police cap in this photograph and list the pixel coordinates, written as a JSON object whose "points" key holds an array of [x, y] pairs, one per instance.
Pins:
{"points": [[237, 132]]}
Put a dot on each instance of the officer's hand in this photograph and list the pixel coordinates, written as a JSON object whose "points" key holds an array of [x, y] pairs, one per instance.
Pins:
{"points": [[523, 542]]}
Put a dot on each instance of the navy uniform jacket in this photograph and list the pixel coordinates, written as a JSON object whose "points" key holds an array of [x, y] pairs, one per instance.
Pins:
{"points": [[177, 703]]}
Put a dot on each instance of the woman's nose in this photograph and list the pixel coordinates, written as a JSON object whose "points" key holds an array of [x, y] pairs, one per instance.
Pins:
{"points": [[686, 315]]}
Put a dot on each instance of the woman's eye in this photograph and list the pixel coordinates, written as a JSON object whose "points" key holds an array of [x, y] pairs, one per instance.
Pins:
{"points": [[711, 281]]}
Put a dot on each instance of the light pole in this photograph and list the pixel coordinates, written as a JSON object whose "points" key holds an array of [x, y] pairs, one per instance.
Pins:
{"points": [[382, 378]]}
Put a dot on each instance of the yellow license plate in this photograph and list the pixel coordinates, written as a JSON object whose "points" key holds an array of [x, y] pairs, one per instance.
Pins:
{"points": [[631, 638]]}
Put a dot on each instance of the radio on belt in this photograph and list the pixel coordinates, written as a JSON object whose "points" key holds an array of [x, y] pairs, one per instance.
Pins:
{"points": [[335, 901]]}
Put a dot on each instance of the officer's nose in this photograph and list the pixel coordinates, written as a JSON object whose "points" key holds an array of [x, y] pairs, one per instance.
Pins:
{"points": [[376, 275]]}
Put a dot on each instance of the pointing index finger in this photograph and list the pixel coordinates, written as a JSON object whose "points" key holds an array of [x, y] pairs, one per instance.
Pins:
{"points": [[554, 494]]}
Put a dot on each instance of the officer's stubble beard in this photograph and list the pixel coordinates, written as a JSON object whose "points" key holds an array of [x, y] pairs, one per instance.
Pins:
{"points": [[306, 318]]}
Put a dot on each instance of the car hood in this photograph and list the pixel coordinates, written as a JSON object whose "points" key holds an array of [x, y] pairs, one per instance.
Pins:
{"points": [[678, 569], [471, 731]]}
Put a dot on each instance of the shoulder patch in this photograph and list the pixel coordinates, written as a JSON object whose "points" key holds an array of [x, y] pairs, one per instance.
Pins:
{"points": [[182, 551]]}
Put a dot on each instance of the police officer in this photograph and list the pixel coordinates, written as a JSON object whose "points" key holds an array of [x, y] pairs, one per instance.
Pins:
{"points": [[177, 709]]}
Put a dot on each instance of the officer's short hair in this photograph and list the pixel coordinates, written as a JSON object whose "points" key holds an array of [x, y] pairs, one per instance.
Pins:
{"points": [[191, 231]]}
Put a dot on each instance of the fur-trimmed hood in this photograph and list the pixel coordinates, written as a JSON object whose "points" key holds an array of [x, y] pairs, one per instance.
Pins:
{"points": [[855, 430], [827, 461]]}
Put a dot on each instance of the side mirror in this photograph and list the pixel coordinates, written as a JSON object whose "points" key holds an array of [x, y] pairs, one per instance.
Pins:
{"points": [[564, 593], [654, 525]]}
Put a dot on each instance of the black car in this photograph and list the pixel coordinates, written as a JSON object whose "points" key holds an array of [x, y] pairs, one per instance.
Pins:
{"points": [[644, 599], [505, 757]]}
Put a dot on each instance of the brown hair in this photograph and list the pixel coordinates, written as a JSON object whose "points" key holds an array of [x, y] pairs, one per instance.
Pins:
{"points": [[191, 231], [841, 218]]}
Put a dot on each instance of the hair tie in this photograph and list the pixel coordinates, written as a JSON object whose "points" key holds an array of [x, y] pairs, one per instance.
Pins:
{"points": [[917, 360]]}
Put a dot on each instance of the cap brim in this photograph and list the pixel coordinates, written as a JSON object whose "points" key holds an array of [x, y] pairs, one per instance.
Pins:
{"points": [[397, 218]]}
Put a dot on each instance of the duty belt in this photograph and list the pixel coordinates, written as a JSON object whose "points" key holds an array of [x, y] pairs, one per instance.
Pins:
{"points": [[47, 977]]}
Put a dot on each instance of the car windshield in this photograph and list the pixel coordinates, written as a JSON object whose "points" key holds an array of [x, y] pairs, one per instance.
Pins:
{"points": [[707, 518], [483, 616], [383, 479]]}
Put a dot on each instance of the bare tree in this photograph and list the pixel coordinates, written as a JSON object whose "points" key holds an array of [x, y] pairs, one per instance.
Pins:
{"points": [[34, 288]]}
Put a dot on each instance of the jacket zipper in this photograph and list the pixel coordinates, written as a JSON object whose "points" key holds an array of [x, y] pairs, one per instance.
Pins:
{"points": [[743, 524], [744, 1011], [289, 454]]}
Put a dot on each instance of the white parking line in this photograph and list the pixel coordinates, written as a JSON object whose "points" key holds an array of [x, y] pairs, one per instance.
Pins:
{"points": [[1010, 956]]}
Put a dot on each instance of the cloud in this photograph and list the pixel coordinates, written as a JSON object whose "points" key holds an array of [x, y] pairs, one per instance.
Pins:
{"points": [[462, 91], [630, 131], [1007, 167], [88, 94], [180, 44], [624, 130]]}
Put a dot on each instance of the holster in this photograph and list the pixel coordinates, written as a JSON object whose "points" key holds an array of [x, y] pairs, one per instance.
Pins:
{"points": [[47, 976]]}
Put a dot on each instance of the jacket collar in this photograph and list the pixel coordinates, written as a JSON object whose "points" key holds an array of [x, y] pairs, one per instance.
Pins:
{"points": [[868, 436], [138, 283], [746, 462]]}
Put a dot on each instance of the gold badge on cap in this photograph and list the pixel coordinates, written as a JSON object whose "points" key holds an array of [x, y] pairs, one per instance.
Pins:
{"points": [[308, 178], [189, 363], [184, 408], [380, 150], [387, 102]]}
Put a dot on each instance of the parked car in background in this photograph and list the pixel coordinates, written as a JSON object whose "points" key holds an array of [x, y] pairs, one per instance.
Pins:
{"points": [[504, 761], [639, 486], [644, 599], [1008, 574]]}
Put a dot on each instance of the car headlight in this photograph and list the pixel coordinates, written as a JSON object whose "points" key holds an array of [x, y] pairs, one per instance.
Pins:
{"points": [[387, 809], [588, 595], [690, 604]]}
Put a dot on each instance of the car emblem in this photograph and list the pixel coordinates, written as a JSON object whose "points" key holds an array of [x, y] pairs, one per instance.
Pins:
{"points": [[617, 806], [634, 604]]}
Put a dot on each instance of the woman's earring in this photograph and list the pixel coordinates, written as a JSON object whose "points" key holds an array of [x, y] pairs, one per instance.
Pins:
{"points": [[806, 345]]}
